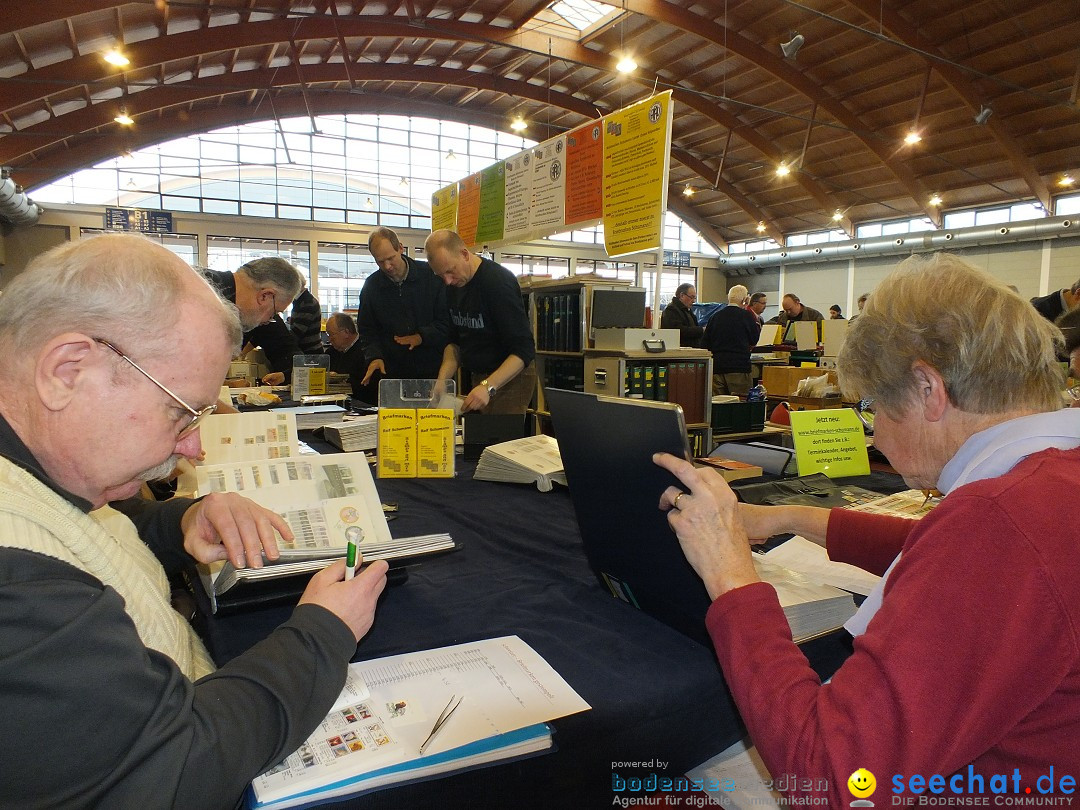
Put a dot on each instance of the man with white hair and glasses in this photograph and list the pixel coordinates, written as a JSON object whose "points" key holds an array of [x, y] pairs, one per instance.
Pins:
{"points": [[110, 699], [965, 675]]}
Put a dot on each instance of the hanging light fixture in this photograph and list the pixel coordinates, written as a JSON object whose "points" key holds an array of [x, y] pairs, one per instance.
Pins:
{"points": [[783, 170], [403, 183], [688, 190], [912, 138], [1066, 180], [123, 118], [838, 216], [450, 156], [761, 227], [370, 203], [935, 200], [518, 124], [983, 115], [626, 64]]}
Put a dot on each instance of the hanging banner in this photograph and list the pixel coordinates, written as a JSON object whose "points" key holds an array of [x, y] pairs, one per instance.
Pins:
{"points": [[549, 186], [468, 208], [613, 169], [637, 142], [444, 208], [585, 164], [517, 224], [489, 224]]}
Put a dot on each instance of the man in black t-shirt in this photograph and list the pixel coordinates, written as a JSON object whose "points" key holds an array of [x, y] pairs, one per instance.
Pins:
{"points": [[490, 338]]}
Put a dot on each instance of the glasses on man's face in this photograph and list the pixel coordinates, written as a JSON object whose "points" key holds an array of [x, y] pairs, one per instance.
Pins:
{"points": [[865, 412], [197, 415]]}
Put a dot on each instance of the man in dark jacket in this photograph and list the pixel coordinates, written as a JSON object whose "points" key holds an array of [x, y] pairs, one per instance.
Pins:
{"points": [[260, 290], [403, 319], [491, 340], [731, 335], [679, 315], [1057, 303]]}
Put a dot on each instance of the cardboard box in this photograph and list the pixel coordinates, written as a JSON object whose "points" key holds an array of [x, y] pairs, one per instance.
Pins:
{"points": [[781, 381], [812, 403], [633, 340]]}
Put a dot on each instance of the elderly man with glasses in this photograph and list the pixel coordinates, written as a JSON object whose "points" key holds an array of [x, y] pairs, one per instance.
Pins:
{"points": [[679, 314], [965, 675], [110, 699], [261, 290]]}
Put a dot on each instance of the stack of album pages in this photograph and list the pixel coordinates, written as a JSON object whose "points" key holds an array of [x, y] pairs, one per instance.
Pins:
{"points": [[359, 433], [327, 501], [812, 609], [533, 459], [489, 700]]}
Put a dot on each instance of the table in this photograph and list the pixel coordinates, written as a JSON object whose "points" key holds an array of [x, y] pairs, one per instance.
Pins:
{"points": [[656, 695]]}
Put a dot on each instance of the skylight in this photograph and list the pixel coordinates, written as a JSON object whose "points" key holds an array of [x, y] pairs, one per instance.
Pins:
{"points": [[582, 14]]}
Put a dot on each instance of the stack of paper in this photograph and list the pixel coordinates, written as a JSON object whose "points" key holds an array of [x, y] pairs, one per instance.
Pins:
{"points": [[372, 737], [361, 433], [309, 417], [533, 459], [812, 609], [327, 500]]}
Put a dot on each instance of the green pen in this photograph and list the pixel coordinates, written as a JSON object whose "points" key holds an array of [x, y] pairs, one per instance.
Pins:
{"points": [[350, 559]]}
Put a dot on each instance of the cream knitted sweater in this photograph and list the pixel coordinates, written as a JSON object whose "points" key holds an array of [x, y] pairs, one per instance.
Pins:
{"points": [[105, 545]]}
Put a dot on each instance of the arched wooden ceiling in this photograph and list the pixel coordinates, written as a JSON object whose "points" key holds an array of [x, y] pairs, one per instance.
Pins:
{"points": [[837, 113]]}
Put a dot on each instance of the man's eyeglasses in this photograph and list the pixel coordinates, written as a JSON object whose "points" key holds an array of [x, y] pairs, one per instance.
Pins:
{"points": [[197, 415], [865, 412]]}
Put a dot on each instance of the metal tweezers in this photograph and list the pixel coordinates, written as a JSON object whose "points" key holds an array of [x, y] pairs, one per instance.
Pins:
{"points": [[451, 707]]}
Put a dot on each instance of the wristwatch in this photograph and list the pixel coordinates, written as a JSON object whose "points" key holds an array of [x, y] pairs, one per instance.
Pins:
{"points": [[491, 389]]}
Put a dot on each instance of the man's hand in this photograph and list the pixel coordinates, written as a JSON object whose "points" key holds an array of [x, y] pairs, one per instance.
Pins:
{"points": [[274, 378], [412, 341], [354, 601], [373, 366], [224, 525], [477, 400], [706, 519]]}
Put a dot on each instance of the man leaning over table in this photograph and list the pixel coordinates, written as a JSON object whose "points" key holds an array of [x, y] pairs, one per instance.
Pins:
{"points": [[490, 337], [966, 661], [110, 699]]}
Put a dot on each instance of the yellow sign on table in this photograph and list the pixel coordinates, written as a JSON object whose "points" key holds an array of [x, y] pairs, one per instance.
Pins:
{"points": [[396, 454], [830, 442], [435, 442]]}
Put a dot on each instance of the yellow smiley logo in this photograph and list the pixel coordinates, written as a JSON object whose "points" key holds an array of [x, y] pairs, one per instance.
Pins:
{"points": [[861, 783]]}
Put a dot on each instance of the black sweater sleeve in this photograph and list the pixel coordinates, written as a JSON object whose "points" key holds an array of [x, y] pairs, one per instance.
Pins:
{"points": [[93, 718]]}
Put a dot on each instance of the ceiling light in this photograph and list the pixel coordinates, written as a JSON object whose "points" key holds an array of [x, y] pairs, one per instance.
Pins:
{"points": [[838, 216], [403, 183], [131, 182], [791, 47], [783, 170], [450, 156], [518, 124], [983, 115], [123, 118], [688, 191], [935, 200], [912, 138], [114, 57], [626, 65], [761, 227], [370, 202], [1066, 180]]}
